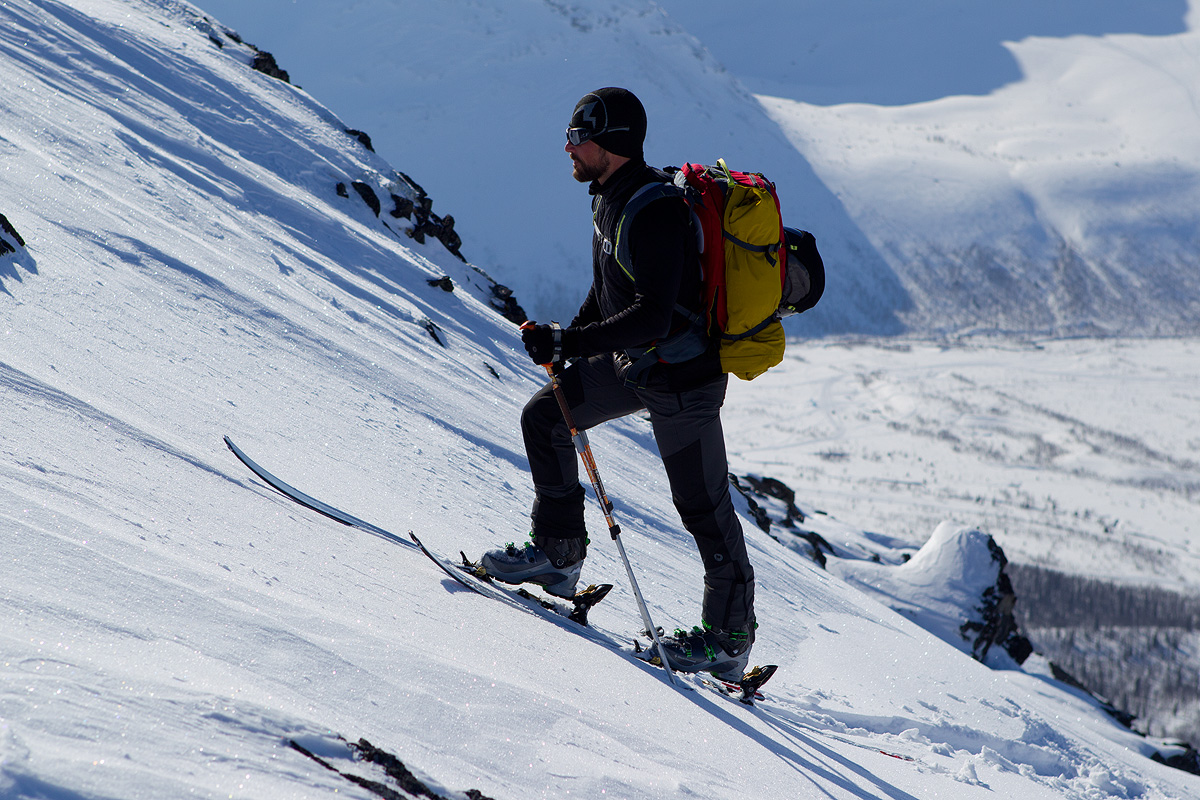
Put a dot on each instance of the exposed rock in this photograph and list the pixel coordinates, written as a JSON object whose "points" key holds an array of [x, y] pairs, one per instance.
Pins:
{"points": [[433, 330], [441, 228], [368, 195], [418, 207], [11, 233], [957, 574], [362, 137], [264, 62], [773, 503], [997, 625], [1185, 758], [504, 302], [403, 207]]}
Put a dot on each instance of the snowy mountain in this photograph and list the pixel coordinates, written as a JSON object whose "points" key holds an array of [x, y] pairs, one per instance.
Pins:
{"points": [[1027, 167], [192, 252]]}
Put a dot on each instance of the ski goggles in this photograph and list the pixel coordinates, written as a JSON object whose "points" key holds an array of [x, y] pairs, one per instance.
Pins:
{"points": [[577, 136]]}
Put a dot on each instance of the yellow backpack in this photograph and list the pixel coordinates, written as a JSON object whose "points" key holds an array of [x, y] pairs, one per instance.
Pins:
{"points": [[743, 276], [755, 271]]}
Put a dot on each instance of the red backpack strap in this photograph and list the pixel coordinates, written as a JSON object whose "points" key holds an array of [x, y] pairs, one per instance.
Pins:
{"points": [[708, 205]]}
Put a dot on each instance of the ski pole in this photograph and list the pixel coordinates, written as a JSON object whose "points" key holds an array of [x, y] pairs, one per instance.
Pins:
{"points": [[579, 438]]}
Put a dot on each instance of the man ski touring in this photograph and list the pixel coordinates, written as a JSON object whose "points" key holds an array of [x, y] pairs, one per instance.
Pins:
{"points": [[634, 316]]}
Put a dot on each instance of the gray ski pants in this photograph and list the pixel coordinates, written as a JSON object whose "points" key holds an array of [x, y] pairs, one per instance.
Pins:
{"points": [[687, 429]]}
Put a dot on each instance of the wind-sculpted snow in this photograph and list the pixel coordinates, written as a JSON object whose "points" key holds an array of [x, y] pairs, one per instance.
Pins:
{"points": [[169, 625]]}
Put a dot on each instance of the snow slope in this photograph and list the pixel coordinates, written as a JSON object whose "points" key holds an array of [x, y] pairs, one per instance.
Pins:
{"points": [[479, 94], [859, 51], [170, 624]]}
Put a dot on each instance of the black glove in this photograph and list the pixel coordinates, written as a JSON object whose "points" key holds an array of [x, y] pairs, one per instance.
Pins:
{"points": [[550, 344]]}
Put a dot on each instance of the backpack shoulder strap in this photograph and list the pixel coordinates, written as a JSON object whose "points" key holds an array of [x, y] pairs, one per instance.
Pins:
{"points": [[639, 200]]}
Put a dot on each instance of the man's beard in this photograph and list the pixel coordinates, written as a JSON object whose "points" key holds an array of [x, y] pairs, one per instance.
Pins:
{"points": [[586, 173]]}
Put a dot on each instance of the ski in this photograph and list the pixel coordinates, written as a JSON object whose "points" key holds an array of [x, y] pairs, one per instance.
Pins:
{"points": [[468, 574], [299, 497], [453, 573], [581, 603]]}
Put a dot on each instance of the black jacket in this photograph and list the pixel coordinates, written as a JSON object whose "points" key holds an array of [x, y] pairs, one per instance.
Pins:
{"points": [[624, 311]]}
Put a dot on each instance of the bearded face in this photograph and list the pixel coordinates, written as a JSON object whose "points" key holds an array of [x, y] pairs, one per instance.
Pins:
{"points": [[589, 161]]}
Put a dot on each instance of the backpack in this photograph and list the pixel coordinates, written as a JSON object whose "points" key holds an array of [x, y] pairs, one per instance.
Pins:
{"points": [[755, 271]]}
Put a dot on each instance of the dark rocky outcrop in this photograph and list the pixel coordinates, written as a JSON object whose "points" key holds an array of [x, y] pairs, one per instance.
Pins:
{"points": [[11, 239], [362, 137], [773, 504], [406, 784], [368, 195], [996, 624], [506, 303], [264, 62]]}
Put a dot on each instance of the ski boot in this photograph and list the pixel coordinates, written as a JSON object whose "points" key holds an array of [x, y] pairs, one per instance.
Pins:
{"points": [[723, 654], [531, 564]]}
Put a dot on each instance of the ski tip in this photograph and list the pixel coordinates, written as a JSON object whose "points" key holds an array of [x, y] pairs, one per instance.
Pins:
{"points": [[420, 544]]}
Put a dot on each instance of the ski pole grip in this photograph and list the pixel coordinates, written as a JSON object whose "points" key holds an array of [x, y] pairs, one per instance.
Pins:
{"points": [[527, 325]]}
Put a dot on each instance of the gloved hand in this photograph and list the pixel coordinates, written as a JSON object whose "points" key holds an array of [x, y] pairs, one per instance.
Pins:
{"points": [[541, 345]]}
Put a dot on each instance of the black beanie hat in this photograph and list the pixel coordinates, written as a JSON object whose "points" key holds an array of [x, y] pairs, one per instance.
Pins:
{"points": [[611, 109]]}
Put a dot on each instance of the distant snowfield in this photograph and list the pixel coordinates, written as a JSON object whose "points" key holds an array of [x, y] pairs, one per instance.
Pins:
{"points": [[1080, 455], [168, 624]]}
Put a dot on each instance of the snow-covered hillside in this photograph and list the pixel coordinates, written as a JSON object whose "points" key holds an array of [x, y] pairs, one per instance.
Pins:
{"points": [[1078, 456], [195, 259], [1060, 196], [478, 94]]}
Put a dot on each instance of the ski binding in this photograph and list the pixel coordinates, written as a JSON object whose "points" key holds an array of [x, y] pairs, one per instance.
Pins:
{"points": [[581, 603], [744, 691]]}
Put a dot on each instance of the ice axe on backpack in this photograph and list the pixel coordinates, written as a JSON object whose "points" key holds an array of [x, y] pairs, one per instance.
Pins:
{"points": [[579, 438]]}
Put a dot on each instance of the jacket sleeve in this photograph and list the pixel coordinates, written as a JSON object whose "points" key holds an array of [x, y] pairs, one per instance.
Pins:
{"points": [[658, 250], [589, 311]]}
